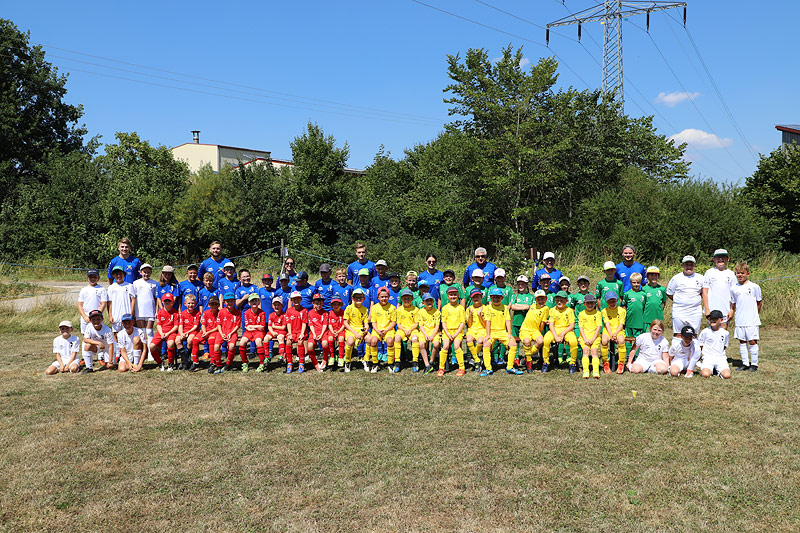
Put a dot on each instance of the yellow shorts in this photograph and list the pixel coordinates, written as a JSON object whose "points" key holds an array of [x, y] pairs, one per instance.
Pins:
{"points": [[457, 340], [436, 338], [348, 336], [477, 333], [404, 337], [383, 337], [499, 336], [596, 344], [529, 334]]}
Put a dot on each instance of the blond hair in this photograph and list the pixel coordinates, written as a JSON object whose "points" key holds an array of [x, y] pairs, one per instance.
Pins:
{"points": [[742, 267], [636, 277], [658, 323]]}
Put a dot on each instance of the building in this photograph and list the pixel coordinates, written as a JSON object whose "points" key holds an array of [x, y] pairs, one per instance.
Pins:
{"points": [[196, 155], [791, 134]]}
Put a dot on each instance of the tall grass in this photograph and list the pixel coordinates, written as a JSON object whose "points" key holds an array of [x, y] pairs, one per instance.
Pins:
{"points": [[42, 318]]}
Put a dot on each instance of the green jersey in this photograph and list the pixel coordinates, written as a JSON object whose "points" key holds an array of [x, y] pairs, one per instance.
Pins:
{"points": [[603, 287], [633, 302], [522, 298], [576, 302], [508, 295], [443, 292], [654, 300], [551, 300], [484, 297]]}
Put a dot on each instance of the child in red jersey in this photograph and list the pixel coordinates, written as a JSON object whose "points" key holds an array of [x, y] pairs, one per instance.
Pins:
{"points": [[228, 327], [336, 330], [276, 329], [297, 330], [254, 325], [167, 323], [318, 329], [211, 334], [189, 331]]}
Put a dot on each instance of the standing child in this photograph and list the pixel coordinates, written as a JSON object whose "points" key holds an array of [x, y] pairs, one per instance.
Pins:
{"points": [[97, 339], [422, 288], [336, 330], [191, 285], [655, 297], [651, 351], [229, 283], [532, 329], [189, 332], [131, 346], [498, 329], [204, 295], [383, 317], [394, 288], [92, 297], [254, 324], [520, 305], [318, 333], [448, 280], [500, 283], [123, 302], [167, 323], [356, 320], [430, 339], [614, 324], [713, 342], [211, 334], [342, 288], [228, 322], [325, 286], [476, 327], [684, 352], [167, 284], [590, 324], [65, 348], [544, 285], [633, 302], [477, 283], [277, 329], [144, 289], [453, 331], [407, 330], [608, 284], [561, 322], [745, 309], [576, 299]]}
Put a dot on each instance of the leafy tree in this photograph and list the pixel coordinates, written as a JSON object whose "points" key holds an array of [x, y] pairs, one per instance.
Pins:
{"points": [[774, 190]]}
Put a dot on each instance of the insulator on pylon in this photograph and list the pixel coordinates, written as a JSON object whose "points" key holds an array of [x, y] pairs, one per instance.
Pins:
{"points": [[547, 33], [579, 31], [648, 22], [684, 16]]}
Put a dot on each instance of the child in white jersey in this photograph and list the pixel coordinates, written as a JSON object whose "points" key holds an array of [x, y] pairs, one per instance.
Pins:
{"points": [[684, 353], [93, 297], [65, 348], [713, 342], [97, 339], [123, 302], [746, 303], [144, 289], [130, 346], [652, 349]]}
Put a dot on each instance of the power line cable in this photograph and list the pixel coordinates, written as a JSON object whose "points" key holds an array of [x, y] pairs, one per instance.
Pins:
{"points": [[490, 6]]}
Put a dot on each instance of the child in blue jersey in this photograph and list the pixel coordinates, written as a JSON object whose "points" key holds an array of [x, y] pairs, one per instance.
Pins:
{"points": [[191, 285], [394, 288], [244, 290], [284, 290], [168, 283], [382, 279], [305, 289], [325, 286], [266, 293], [364, 282], [229, 283], [342, 288], [205, 293]]}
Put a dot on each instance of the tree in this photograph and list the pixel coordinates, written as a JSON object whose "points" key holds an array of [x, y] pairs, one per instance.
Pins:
{"points": [[774, 190], [34, 119]]}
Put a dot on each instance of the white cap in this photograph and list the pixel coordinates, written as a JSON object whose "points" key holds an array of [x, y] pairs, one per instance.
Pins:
{"points": [[548, 255], [381, 262], [721, 251], [228, 264], [564, 278], [522, 278], [500, 272], [477, 272], [688, 259], [295, 294], [66, 323], [146, 265], [538, 293], [278, 299], [608, 265]]}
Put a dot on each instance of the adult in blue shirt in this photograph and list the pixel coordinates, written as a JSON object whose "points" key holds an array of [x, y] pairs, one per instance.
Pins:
{"points": [[305, 289], [628, 266], [214, 264], [266, 293], [480, 263], [288, 269], [284, 291], [191, 285], [431, 274], [549, 261], [325, 286], [360, 262], [130, 264]]}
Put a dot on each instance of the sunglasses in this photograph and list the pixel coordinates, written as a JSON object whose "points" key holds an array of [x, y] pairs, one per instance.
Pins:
{"points": [[480, 256]]}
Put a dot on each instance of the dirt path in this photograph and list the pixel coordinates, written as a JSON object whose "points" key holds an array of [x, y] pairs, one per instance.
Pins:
{"points": [[60, 291]]}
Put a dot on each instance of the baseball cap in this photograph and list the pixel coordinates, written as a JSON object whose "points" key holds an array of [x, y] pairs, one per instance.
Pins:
{"points": [[548, 255], [423, 283], [564, 278], [92, 272], [412, 273], [95, 313], [317, 296], [608, 265], [359, 292], [253, 296], [302, 275], [336, 298], [126, 316], [167, 268], [522, 278], [449, 271], [562, 294], [169, 297], [325, 267], [283, 276], [453, 289], [383, 289], [266, 275], [363, 272], [589, 298], [228, 264], [688, 259], [229, 296], [474, 291], [496, 291], [192, 267], [213, 299], [720, 251], [477, 272], [380, 262], [67, 324], [544, 275], [541, 293], [277, 300], [394, 275], [117, 267], [295, 294], [688, 331], [716, 313], [406, 292], [653, 270], [612, 295], [146, 265], [499, 273], [583, 277], [427, 296]]}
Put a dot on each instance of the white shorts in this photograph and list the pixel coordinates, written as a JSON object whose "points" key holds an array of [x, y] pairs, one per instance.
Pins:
{"points": [[145, 318], [746, 333], [75, 362], [134, 359], [681, 363], [116, 327], [678, 323], [714, 363], [648, 365]]}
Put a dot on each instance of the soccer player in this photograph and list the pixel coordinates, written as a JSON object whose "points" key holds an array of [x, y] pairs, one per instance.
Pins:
{"points": [[129, 263], [92, 297], [65, 348], [520, 305], [277, 330], [422, 288], [214, 264], [407, 330], [487, 269], [191, 285], [167, 284], [144, 289], [356, 320], [478, 283], [297, 331], [206, 292], [429, 319], [628, 267], [131, 346], [432, 275], [498, 329], [746, 303], [394, 288], [383, 317], [244, 290], [531, 331], [561, 322], [284, 290], [440, 293], [650, 351], [633, 302], [325, 286], [189, 331], [97, 338], [364, 281], [590, 324], [254, 324], [655, 297], [167, 323], [685, 290], [305, 289], [500, 283], [453, 331], [713, 341], [544, 285], [717, 284], [336, 329], [576, 299], [266, 293], [476, 327], [607, 284], [361, 262], [549, 260], [228, 321], [211, 335], [382, 278], [123, 302], [614, 327], [342, 288], [683, 353], [318, 333], [228, 284]]}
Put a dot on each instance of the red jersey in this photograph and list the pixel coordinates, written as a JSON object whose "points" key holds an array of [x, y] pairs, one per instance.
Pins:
{"points": [[190, 320], [278, 321], [335, 320], [253, 319], [228, 322], [297, 319], [317, 321], [167, 320], [210, 320]]}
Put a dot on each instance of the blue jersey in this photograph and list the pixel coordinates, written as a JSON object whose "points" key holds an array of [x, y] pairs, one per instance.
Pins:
{"points": [[355, 266], [434, 280], [376, 284], [345, 293], [292, 278], [215, 267], [394, 296], [307, 293], [172, 289], [555, 275], [187, 287], [130, 265], [327, 291], [624, 274], [203, 295], [284, 295], [242, 291], [266, 299], [488, 274], [225, 286]]}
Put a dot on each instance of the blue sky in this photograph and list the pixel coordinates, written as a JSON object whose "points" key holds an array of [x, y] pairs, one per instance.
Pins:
{"points": [[372, 72]]}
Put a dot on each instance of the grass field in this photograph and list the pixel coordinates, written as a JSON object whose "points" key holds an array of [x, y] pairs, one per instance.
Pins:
{"points": [[383, 452]]}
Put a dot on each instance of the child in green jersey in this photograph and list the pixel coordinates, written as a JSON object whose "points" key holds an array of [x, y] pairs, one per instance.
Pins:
{"points": [[477, 283], [576, 299], [500, 283], [609, 283], [422, 288], [449, 280], [520, 304], [655, 297], [544, 285], [633, 302]]}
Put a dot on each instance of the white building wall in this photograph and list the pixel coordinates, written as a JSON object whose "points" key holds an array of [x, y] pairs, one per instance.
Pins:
{"points": [[198, 155]]}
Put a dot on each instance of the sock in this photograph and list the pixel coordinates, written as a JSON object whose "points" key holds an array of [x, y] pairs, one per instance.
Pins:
{"points": [[243, 353], [87, 358], [137, 356], [398, 352], [348, 353], [512, 354], [103, 356], [374, 350], [546, 350], [487, 357], [326, 353], [573, 354], [311, 355], [754, 354], [341, 349], [622, 353], [744, 353], [171, 354], [528, 353], [604, 353], [261, 351], [281, 349], [460, 358], [415, 351], [585, 363], [443, 358], [596, 364], [149, 333]]}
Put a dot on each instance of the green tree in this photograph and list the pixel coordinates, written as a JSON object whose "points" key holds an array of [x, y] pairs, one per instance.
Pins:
{"points": [[774, 190]]}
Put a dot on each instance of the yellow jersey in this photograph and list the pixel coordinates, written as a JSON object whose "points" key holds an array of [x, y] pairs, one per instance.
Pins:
{"points": [[477, 318], [588, 322], [452, 316], [561, 319], [615, 317], [428, 321], [496, 315], [407, 318], [383, 315], [356, 317], [535, 317]]}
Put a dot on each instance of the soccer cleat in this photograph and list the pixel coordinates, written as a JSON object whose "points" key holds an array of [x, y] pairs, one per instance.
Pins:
{"points": [[586, 373], [487, 373], [753, 368], [288, 369], [219, 369], [501, 361], [461, 372], [366, 365], [545, 368], [261, 368], [374, 369], [476, 367], [440, 373], [171, 368], [347, 367], [573, 368], [301, 368], [397, 368], [319, 368], [87, 370], [245, 367], [194, 368], [322, 366], [341, 362], [415, 367], [606, 368], [514, 371], [743, 368], [428, 370], [211, 368], [689, 373], [621, 368], [227, 368], [163, 367], [595, 374]]}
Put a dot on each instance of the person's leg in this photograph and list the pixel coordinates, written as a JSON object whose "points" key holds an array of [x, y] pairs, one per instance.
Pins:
{"points": [[637, 368], [622, 352], [445, 349], [660, 367], [547, 341], [572, 342], [596, 359], [604, 342], [123, 365], [459, 352], [753, 353], [585, 358], [51, 370], [171, 350]]}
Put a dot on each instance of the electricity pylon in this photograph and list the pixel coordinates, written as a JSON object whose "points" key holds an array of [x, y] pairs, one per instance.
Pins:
{"points": [[611, 13]]}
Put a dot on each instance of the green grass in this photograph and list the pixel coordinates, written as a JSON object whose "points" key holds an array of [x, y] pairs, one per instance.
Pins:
{"points": [[43, 318], [338, 452], [19, 289]]}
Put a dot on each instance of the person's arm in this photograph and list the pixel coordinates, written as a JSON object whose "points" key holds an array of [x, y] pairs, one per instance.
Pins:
{"points": [[733, 311], [469, 317], [665, 357], [552, 326], [704, 295], [508, 329], [73, 355], [82, 312], [632, 355], [596, 333], [133, 303], [123, 354]]}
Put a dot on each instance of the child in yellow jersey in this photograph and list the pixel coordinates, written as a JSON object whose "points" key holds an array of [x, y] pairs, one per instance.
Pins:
{"points": [[562, 323], [531, 331], [498, 329], [452, 331], [356, 319], [590, 323], [383, 317], [614, 322], [407, 330], [428, 318], [476, 327]]}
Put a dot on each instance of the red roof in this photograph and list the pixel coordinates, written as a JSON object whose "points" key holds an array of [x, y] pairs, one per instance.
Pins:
{"points": [[791, 128]]}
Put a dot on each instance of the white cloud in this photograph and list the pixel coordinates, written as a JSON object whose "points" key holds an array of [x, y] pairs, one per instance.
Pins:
{"points": [[675, 98], [700, 140], [524, 62]]}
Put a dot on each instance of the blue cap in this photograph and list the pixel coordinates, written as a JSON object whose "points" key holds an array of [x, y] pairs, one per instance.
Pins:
{"points": [[126, 316], [117, 267], [302, 275], [611, 295], [336, 298], [93, 272], [495, 291], [406, 292], [229, 296], [427, 296], [422, 282], [474, 290]]}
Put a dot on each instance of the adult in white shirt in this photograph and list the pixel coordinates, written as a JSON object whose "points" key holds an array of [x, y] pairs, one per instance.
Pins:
{"points": [[717, 284], [685, 289], [652, 349]]}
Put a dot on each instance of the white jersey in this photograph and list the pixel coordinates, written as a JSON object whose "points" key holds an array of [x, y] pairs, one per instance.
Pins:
{"points": [[650, 349], [678, 350], [105, 335], [746, 298], [719, 283], [686, 292], [66, 347], [92, 297], [125, 340], [119, 294], [714, 342], [145, 293]]}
